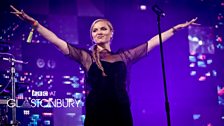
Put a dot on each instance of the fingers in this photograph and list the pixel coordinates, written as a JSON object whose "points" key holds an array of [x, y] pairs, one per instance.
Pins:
{"points": [[14, 8], [17, 12], [193, 20], [187, 23], [196, 24]]}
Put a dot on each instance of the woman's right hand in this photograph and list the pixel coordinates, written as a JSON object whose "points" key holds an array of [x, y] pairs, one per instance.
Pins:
{"points": [[22, 15]]}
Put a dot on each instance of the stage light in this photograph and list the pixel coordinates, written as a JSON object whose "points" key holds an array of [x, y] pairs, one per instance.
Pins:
{"points": [[47, 122], [74, 78], [192, 59], [201, 57], [51, 64], [47, 114], [201, 64], [22, 78], [143, 7], [196, 116], [222, 117], [192, 65], [202, 78], [193, 73], [143, 4], [83, 117], [40, 77], [82, 81], [35, 117], [71, 114], [68, 93], [67, 82], [220, 23], [82, 72], [77, 95], [83, 92], [216, 26], [26, 112], [209, 61], [48, 76], [20, 96], [208, 74], [40, 63], [50, 86], [195, 39], [50, 81], [219, 39], [192, 52], [214, 73], [220, 46], [66, 77], [75, 85], [200, 42], [39, 84]]}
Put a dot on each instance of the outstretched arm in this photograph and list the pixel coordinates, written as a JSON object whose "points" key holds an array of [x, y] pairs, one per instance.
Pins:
{"points": [[46, 33], [154, 41]]}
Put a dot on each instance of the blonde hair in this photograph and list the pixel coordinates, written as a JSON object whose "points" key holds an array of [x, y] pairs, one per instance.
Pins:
{"points": [[95, 52], [96, 58]]}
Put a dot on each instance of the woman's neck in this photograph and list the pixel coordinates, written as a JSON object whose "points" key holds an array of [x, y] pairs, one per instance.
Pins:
{"points": [[103, 47]]}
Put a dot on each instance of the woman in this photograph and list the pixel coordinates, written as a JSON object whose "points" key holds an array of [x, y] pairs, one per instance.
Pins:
{"points": [[107, 103]]}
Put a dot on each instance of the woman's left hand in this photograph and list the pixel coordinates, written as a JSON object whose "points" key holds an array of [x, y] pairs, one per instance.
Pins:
{"points": [[186, 24]]}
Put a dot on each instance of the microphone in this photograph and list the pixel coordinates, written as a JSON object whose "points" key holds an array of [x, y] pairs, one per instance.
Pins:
{"points": [[158, 10], [13, 60]]}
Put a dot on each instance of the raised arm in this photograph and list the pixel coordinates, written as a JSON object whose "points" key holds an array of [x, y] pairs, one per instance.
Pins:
{"points": [[154, 41], [46, 33], [134, 54], [51, 37]]}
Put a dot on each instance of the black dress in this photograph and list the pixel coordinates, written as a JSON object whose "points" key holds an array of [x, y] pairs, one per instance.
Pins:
{"points": [[107, 103]]}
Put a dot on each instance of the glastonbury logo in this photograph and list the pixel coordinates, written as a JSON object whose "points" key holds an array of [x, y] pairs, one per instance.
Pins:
{"points": [[44, 102]]}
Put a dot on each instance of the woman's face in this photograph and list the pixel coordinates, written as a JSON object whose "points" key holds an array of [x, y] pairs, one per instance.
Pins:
{"points": [[101, 33]]}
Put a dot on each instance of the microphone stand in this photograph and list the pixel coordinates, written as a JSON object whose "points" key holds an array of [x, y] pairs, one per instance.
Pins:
{"points": [[13, 122], [160, 13]]}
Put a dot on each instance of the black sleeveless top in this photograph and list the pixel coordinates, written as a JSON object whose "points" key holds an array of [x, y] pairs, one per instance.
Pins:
{"points": [[107, 103]]}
